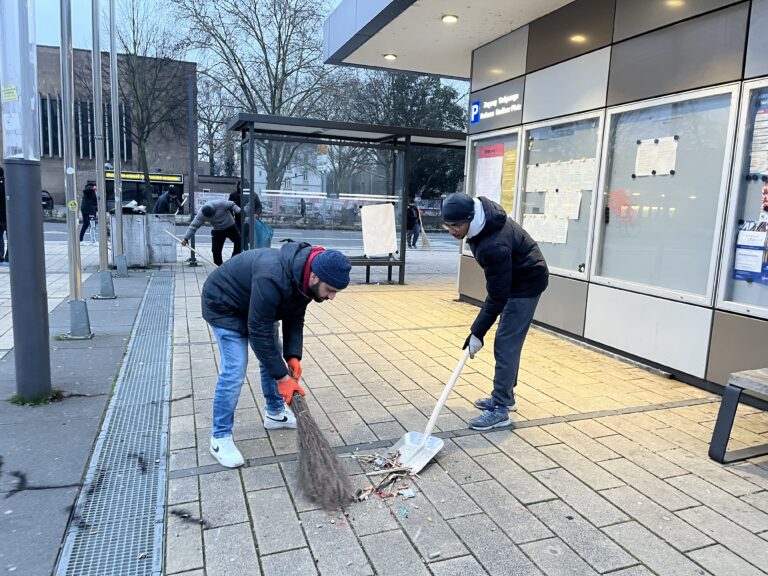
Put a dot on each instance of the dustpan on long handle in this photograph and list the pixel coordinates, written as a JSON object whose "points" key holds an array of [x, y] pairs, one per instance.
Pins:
{"points": [[417, 449]]}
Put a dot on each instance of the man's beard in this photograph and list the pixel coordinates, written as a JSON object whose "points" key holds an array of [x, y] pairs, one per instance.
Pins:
{"points": [[314, 291]]}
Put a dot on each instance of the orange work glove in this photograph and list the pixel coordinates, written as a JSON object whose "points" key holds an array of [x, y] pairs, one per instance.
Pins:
{"points": [[287, 387], [294, 368]]}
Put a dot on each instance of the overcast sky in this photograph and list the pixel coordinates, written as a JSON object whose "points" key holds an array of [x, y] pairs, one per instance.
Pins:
{"points": [[48, 27]]}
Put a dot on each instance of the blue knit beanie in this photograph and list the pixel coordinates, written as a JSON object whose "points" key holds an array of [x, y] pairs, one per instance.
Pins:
{"points": [[458, 207], [332, 267]]}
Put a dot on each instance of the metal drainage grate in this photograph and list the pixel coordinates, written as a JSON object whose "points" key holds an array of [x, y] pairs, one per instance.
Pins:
{"points": [[117, 525]]}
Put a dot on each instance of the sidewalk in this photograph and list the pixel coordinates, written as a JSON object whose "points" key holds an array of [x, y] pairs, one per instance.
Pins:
{"points": [[606, 470]]}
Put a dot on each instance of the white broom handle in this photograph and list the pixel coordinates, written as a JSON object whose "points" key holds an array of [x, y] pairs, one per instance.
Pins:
{"points": [[444, 397]]}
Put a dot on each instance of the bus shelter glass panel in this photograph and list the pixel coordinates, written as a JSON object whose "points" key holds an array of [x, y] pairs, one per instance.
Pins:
{"points": [[663, 192], [314, 192], [745, 260], [559, 179], [493, 170]]}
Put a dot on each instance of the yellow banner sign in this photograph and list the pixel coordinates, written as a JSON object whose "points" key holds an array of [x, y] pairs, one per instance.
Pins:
{"points": [[139, 177]]}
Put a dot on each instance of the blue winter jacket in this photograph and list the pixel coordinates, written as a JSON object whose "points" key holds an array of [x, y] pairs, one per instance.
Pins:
{"points": [[251, 291], [513, 264]]}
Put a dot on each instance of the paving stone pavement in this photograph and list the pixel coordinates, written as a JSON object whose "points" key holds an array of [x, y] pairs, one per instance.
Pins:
{"points": [[576, 487]]}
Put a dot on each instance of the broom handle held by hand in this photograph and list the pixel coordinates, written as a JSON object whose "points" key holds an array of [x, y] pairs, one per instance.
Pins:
{"points": [[190, 247], [444, 396]]}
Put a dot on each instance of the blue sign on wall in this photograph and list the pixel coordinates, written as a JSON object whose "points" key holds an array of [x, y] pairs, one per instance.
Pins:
{"points": [[474, 112]]}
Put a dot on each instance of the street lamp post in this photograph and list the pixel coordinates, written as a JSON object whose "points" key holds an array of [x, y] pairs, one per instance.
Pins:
{"points": [[121, 262], [21, 151], [106, 287], [79, 323]]}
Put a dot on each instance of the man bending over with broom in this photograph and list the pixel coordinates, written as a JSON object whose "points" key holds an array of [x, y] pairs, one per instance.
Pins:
{"points": [[515, 276], [242, 300]]}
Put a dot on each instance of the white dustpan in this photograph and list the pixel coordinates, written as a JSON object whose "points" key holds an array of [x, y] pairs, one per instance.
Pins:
{"points": [[417, 449]]}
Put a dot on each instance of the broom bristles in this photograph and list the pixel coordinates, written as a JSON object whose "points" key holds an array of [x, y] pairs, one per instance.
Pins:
{"points": [[322, 478], [424, 240]]}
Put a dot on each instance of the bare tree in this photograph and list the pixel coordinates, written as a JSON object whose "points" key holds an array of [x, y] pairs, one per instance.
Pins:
{"points": [[153, 80], [214, 110], [267, 55]]}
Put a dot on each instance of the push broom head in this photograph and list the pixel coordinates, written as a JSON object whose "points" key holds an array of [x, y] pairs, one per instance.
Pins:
{"points": [[322, 478]]}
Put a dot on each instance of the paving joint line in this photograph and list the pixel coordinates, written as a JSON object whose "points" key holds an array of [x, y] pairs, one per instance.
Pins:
{"points": [[460, 433], [387, 330]]}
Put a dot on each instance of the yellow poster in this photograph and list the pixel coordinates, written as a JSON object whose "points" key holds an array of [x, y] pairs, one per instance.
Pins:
{"points": [[508, 174]]}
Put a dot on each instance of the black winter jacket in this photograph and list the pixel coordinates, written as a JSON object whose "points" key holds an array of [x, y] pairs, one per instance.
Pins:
{"points": [[251, 291], [513, 264], [90, 203]]}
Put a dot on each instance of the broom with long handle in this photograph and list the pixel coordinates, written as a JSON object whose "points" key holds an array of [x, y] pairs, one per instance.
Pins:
{"points": [[179, 240], [424, 239], [322, 478]]}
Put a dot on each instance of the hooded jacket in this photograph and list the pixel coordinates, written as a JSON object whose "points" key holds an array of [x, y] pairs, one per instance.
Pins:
{"points": [[251, 291], [514, 266], [220, 220]]}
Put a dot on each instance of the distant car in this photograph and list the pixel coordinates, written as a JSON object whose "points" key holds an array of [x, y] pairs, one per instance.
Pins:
{"points": [[47, 201]]}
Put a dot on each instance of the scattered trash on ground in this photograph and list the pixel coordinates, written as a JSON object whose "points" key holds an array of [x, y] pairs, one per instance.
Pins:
{"points": [[391, 469]]}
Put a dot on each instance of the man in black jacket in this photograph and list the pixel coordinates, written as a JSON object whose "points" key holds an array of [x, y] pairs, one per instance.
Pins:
{"points": [[515, 276], [242, 301], [168, 202]]}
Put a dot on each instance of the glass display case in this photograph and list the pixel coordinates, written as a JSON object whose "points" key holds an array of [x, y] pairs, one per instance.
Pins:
{"points": [[744, 272], [559, 177], [493, 166], [664, 183]]}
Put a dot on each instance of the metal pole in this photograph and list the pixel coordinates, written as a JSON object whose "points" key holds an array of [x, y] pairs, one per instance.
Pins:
{"points": [[106, 287], [404, 207], [119, 254], [191, 129], [79, 324], [21, 150]]}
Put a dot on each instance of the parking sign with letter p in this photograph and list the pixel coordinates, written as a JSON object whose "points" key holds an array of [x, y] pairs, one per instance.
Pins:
{"points": [[474, 112]]}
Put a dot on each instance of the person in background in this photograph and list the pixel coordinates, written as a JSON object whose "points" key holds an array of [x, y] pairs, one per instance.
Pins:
{"points": [[243, 301], [4, 261], [219, 214], [515, 276], [413, 225], [237, 198], [168, 202], [304, 210], [88, 207]]}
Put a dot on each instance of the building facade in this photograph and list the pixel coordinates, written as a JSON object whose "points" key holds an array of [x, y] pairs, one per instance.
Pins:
{"points": [[630, 139], [168, 153]]}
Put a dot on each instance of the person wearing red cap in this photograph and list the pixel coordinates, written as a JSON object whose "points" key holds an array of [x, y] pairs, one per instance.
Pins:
{"points": [[243, 300]]}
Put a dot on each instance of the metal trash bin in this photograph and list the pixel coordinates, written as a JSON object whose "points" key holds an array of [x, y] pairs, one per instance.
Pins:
{"points": [[134, 240], [162, 248]]}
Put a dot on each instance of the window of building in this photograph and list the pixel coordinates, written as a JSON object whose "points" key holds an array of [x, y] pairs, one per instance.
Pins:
{"points": [[559, 175], [665, 183], [744, 272]]}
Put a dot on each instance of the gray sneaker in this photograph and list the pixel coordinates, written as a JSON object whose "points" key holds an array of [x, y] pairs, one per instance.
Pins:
{"points": [[491, 419], [489, 404]]}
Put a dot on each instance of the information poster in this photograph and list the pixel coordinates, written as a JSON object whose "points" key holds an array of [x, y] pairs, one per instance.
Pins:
{"points": [[546, 228], [508, 176], [656, 157], [489, 167], [565, 204], [751, 261], [758, 154]]}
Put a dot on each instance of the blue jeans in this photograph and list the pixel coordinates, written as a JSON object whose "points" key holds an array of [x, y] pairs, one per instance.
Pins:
{"points": [[413, 234], [514, 322], [233, 349]]}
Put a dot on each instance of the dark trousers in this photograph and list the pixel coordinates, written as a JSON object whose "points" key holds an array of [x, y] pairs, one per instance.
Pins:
{"points": [[218, 237], [413, 235], [86, 223], [514, 322]]}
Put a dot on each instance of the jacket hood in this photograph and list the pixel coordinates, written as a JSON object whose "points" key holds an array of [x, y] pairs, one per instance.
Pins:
{"points": [[495, 217], [293, 256]]}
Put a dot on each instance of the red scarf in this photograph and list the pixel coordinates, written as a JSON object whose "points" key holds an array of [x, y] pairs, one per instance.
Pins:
{"points": [[305, 279]]}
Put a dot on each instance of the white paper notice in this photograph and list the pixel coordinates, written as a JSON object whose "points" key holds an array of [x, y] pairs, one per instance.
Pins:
{"points": [[543, 228], [749, 260], [645, 161], [379, 235], [565, 204], [490, 163], [666, 156], [532, 178]]}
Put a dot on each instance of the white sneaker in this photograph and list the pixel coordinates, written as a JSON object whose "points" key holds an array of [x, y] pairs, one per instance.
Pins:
{"points": [[225, 451], [283, 419]]}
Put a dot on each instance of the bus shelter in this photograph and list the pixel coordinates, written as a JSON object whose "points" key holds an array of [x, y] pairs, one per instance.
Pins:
{"points": [[320, 180]]}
